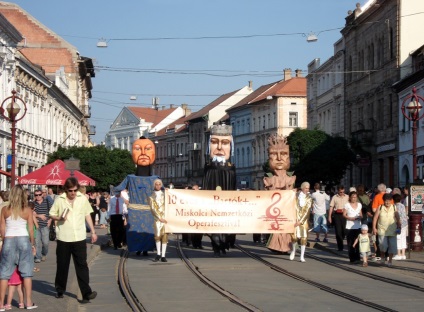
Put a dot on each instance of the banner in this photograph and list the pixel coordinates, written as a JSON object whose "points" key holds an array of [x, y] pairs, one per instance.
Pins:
{"points": [[190, 211]]}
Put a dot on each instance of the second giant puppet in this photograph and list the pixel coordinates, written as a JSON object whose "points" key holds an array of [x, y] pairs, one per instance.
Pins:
{"points": [[220, 174], [279, 179]]}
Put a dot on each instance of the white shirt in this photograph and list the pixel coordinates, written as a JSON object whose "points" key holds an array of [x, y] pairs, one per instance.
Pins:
{"points": [[320, 202], [125, 196], [353, 213]]}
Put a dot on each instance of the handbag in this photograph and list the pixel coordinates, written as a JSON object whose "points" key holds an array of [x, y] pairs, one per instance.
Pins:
{"points": [[52, 233]]}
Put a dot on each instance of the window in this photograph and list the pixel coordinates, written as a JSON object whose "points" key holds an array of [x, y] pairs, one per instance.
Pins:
{"points": [[293, 119], [293, 103]]}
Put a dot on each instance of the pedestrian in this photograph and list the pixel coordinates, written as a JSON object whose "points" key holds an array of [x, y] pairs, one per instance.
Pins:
{"points": [[386, 221], [365, 202], [51, 194], [303, 210], [401, 237], [126, 196], [72, 211], [42, 208], [17, 231], [337, 204], [31, 205], [157, 207], [319, 211], [353, 214], [103, 204], [115, 217], [15, 284], [94, 202], [363, 240]]}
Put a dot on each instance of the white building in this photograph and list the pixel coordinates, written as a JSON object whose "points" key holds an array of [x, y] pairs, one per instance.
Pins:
{"points": [[134, 122]]}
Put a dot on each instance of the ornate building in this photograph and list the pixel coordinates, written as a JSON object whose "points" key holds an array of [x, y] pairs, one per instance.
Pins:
{"points": [[56, 96], [378, 37]]}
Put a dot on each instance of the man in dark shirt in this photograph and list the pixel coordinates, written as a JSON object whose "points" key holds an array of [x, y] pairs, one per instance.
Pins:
{"points": [[42, 207]]}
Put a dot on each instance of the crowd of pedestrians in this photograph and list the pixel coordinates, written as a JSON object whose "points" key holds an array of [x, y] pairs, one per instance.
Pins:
{"points": [[374, 224]]}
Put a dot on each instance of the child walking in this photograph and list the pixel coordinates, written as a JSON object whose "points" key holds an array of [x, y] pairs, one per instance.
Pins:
{"points": [[364, 244], [15, 283]]}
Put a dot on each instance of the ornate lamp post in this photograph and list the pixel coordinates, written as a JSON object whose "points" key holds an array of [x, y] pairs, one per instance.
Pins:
{"points": [[412, 113], [13, 106]]}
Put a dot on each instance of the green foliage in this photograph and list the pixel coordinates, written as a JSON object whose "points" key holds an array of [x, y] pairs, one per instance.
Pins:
{"points": [[105, 166], [316, 156]]}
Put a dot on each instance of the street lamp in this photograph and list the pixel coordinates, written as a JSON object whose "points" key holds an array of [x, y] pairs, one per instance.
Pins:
{"points": [[412, 113], [13, 108]]}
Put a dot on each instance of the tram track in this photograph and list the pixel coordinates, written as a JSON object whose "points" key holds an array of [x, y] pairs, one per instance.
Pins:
{"points": [[368, 274], [313, 283], [136, 305], [125, 286], [395, 267], [234, 299]]}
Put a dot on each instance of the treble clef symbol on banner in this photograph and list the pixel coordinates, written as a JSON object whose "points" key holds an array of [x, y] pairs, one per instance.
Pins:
{"points": [[273, 212]]}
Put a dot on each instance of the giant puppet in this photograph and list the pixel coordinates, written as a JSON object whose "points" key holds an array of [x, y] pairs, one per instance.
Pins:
{"points": [[220, 174], [140, 229], [279, 179]]}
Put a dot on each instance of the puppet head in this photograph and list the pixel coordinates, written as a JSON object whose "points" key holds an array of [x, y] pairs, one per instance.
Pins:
{"points": [[143, 152]]}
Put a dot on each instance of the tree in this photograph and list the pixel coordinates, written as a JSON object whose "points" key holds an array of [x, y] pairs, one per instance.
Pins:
{"points": [[316, 156], [106, 167]]}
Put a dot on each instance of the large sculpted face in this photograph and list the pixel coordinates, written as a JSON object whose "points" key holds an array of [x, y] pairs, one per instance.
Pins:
{"points": [[143, 152], [220, 145], [279, 158]]}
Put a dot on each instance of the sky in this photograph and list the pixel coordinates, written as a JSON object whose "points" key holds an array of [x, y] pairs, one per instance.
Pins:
{"points": [[188, 51]]}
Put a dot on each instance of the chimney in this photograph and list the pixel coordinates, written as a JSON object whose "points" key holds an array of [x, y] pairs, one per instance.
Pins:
{"points": [[250, 84], [298, 72], [163, 107], [171, 105], [287, 74]]}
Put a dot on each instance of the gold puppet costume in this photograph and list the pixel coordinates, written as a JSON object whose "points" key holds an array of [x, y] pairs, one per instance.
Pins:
{"points": [[303, 210], [157, 207]]}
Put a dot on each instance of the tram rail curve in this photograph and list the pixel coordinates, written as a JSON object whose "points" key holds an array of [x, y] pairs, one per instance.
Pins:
{"points": [[125, 286]]}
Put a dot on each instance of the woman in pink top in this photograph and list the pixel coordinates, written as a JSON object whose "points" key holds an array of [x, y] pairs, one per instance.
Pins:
{"points": [[18, 244]]}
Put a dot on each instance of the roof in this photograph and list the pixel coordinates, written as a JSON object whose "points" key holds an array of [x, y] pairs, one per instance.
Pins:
{"points": [[213, 104], [178, 126], [150, 114], [44, 47], [295, 86]]}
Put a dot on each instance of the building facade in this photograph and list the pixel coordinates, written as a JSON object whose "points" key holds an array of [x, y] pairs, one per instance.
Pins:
{"points": [[373, 64], [134, 122], [278, 107], [404, 89], [52, 118], [326, 93], [198, 132]]}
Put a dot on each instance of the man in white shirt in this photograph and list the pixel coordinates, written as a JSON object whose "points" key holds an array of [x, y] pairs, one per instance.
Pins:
{"points": [[319, 211], [126, 197]]}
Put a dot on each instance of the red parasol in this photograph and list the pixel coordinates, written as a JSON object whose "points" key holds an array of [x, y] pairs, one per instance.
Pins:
{"points": [[54, 174]]}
